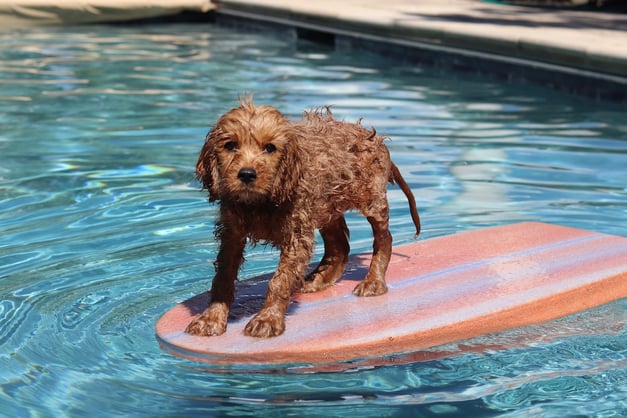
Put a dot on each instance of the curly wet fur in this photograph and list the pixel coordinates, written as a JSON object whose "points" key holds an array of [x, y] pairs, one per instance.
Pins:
{"points": [[277, 182]]}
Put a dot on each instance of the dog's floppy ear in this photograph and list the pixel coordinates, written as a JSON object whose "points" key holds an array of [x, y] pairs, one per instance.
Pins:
{"points": [[207, 167], [289, 171]]}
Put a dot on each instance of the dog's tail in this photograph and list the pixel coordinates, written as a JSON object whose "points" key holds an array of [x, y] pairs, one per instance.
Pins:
{"points": [[396, 177]]}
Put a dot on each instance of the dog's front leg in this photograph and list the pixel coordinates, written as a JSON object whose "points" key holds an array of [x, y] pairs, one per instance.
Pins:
{"points": [[295, 256], [213, 320]]}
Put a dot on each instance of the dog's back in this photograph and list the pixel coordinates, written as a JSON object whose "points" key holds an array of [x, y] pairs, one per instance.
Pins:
{"points": [[347, 164]]}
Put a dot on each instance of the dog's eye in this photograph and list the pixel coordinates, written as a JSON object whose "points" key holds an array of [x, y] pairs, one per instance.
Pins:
{"points": [[230, 146], [269, 148]]}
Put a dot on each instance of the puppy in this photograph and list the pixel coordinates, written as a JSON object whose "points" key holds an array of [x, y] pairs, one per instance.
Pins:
{"points": [[277, 181]]}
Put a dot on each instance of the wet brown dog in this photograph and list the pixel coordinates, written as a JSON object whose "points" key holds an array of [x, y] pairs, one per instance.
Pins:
{"points": [[277, 181]]}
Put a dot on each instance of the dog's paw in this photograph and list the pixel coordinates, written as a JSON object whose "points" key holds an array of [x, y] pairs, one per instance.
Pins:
{"points": [[267, 323], [313, 283], [211, 322], [370, 288]]}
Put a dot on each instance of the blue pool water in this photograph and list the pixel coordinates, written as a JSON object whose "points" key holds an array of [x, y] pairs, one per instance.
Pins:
{"points": [[103, 227]]}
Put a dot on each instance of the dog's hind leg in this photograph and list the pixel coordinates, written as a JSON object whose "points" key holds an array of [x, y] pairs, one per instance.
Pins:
{"points": [[336, 248], [374, 282]]}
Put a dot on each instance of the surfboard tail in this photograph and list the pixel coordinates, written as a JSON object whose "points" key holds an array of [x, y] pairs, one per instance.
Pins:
{"points": [[398, 178]]}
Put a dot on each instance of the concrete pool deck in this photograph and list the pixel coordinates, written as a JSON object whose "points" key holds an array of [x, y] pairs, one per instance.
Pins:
{"points": [[585, 46]]}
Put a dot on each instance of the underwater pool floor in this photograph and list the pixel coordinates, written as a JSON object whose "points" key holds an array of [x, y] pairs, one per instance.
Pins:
{"points": [[104, 227]]}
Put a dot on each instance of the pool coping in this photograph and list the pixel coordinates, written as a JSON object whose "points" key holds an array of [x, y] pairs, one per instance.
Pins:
{"points": [[562, 64]]}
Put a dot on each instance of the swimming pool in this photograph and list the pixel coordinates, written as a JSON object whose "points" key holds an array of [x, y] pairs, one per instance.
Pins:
{"points": [[104, 227]]}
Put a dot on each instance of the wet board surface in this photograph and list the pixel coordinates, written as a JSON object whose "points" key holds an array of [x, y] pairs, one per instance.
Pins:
{"points": [[441, 290]]}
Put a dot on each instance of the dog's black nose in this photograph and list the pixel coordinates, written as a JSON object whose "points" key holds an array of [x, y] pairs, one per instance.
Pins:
{"points": [[247, 175]]}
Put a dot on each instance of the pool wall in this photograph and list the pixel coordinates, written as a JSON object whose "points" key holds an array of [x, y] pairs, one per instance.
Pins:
{"points": [[601, 75]]}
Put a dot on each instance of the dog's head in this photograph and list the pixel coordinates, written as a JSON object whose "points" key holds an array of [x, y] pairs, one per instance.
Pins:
{"points": [[250, 156]]}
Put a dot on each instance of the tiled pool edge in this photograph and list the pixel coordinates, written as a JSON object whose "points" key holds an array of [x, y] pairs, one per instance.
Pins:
{"points": [[411, 49]]}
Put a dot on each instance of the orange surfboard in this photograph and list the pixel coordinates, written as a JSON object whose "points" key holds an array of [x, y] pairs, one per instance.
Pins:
{"points": [[441, 290]]}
